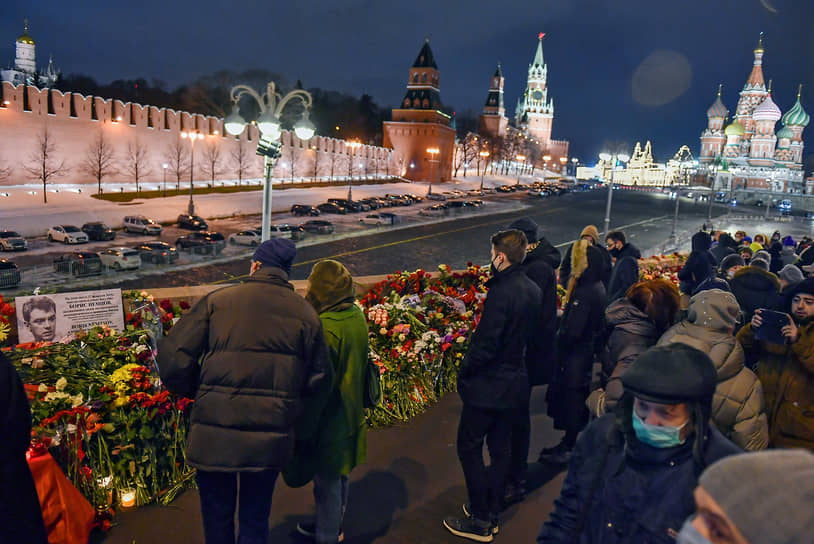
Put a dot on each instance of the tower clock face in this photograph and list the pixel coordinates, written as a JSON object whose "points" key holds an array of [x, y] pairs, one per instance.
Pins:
{"points": [[537, 95]]}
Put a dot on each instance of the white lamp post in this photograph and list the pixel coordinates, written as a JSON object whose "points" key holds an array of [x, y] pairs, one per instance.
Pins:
{"points": [[271, 104], [483, 155], [354, 145], [191, 136], [546, 158], [575, 162], [613, 158], [520, 158], [165, 166], [433, 151]]}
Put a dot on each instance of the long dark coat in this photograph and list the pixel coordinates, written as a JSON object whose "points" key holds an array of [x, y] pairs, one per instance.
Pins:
{"points": [[542, 353]]}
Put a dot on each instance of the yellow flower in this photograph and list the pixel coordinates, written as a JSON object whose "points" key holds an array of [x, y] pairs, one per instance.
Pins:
{"points": [[121, 401], [4, 330]]}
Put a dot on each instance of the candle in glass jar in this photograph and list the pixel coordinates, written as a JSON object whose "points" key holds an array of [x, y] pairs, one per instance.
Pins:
{"points": [[128, 497]]}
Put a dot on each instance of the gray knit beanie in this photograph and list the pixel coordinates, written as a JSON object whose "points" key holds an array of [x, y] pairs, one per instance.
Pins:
{"points": [[768, 495], [791, 274]]}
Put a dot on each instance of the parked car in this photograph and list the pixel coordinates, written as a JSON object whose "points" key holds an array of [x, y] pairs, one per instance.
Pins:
{"points": [[67, 234], [191, 222], [415, 198], [374, 219], [141, 224], [318, 226], [330, 207], [98, 231], [785, 207], [303, 209], [372, 203], [350, 205], [437, 209], [201, 242], [9, 274], [436, 196], [476, 203], [79, 263], [12, 241], [246, 238], [506, 189], [120, 258], [391, 218], [157, 252], [456, 204]]}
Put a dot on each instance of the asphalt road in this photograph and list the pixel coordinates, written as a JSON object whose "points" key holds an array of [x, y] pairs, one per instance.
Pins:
{"points": [[645, 217]]}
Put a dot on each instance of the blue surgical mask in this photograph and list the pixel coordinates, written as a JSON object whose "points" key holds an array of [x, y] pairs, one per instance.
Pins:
{"points": [[690, 535], [655, 435]]}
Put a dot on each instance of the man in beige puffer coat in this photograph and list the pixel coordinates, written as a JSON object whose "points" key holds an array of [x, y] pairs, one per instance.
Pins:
{"points": [[737, 407]]}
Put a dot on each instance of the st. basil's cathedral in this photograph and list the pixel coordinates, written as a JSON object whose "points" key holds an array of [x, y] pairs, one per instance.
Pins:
{"points": [[754, 154]]}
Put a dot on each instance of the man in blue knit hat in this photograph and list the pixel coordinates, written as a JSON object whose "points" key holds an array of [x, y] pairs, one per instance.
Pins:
{"points": [[248, 354]]}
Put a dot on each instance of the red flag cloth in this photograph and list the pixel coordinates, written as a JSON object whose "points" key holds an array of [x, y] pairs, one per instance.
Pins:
{"points": [[68, 516]]}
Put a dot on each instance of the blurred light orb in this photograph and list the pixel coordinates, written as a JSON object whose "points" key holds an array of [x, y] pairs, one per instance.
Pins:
{"points": [[661, 77]]}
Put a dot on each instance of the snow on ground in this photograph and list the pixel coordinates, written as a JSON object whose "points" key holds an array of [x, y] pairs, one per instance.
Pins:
{"points": [[24, 212]]}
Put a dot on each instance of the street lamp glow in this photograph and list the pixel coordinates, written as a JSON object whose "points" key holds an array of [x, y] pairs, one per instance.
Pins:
{"points": [[269, 125], [304, 129], [234, 123], [520, 158], [605, 156], [433, 152], [563, 160], [546, 158], [623, 157]]}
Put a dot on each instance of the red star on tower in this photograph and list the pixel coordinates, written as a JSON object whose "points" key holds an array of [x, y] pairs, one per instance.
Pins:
{"points": [[541, 35]]}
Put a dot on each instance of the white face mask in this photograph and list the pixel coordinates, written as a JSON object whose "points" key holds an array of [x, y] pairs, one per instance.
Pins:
{"points": [[730, 273]]}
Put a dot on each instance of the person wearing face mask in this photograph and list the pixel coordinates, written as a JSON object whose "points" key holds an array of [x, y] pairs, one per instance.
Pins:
{"points": [[787, 370], [633, 472], [580, 326], [754, 498], [493, 385], [619, 247]]}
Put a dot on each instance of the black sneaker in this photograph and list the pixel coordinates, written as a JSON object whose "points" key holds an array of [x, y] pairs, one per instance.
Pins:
{"points": [[493, 518], [471, 528], [515, 492], [558, 455], [309, 530]]}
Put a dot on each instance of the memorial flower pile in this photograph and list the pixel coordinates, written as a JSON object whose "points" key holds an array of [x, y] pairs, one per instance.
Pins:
{"points": [[662, 266], [419, 327], [6, 315]]}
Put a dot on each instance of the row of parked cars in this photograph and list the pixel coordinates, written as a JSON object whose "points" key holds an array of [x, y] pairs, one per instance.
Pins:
{"points": [[343, 205]]}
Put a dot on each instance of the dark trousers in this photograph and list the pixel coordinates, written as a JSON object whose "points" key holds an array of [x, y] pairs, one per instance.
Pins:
{"points": [[484, 485], [520, 441], [219, 497]]}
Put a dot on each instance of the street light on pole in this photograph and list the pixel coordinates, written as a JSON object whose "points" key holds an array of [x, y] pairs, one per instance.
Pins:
{"points": [[165, 166], [191, 136], [613, 158], [575, 162], [483, 156], [546, 158], [433, 151], [271, 105], [353, 146], [563, 162], [522, 159]]}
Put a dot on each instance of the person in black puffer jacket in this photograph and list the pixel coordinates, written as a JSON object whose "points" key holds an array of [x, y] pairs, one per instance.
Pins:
{"points": [[634, 323], [248, 354], [542, 247], [755, 288], [700, 264], [580, 325], [726, 246]]}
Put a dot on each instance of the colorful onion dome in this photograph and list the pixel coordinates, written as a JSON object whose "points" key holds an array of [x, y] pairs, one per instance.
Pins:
{"points": [[785, 132], [717, 110], [734, 129], [796, 116], [767, 110]]}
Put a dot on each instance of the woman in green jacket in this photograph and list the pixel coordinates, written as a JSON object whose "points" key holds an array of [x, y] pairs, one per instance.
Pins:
{"points": [[340, 442]]}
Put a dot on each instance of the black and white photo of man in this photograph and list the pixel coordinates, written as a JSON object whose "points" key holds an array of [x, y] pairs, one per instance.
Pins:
{"points": [[40, 318]]}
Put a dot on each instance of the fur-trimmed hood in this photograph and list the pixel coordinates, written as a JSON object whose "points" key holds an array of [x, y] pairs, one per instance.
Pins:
{"points": [[757, 279]]}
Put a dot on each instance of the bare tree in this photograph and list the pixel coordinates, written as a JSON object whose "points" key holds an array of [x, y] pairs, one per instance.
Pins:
{"points": [[212, 158], [241, 161], [99, 160], [176, 157], [334, 159], [136, 162], [291, 156], [316, 161], [466, 151], [43, 164], [5, 171]]}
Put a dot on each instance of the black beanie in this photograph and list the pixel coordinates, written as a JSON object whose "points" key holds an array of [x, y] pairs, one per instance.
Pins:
{"points": [[806, 286], [528, 226], [672, 374], [731, 260]]}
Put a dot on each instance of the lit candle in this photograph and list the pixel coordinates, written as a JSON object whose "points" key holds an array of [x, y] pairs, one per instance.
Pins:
{"points": [[128, 497]]}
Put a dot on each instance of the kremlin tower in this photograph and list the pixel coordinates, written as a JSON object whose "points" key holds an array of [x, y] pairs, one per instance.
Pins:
{"points": [[757, 156], [493, 120], [420, 124]]}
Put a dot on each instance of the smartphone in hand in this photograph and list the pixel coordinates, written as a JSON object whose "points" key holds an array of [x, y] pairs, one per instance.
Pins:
{"points": [[771, 328]]}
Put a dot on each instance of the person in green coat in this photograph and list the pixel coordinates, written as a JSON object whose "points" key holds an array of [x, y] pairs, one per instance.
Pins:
{"points": [[340, 442]]}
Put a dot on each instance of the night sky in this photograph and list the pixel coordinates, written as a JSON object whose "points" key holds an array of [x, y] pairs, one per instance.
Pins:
{"points": [[619, 70]]}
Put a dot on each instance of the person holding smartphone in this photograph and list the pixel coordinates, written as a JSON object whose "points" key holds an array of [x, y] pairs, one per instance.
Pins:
{"points": [[786, 369]]}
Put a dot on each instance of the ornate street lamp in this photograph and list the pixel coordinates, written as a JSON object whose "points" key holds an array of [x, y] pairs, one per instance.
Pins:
{"points": [[354, 145], [623, 157], [546, 158], [271, 105], [191, 136], [483, 156], [433, 151], [520, 158], [563, 162]]}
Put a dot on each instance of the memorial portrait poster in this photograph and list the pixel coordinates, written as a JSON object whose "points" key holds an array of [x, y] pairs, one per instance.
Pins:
{"points": [[52, 317]]}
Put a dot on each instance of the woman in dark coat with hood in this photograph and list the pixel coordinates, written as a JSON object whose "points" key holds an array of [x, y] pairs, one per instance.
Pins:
{"points": [[700, 264], [755, 288], [579, 327], [726, 246]]}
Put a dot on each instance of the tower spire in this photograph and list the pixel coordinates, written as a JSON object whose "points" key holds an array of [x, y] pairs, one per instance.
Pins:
{"points": [[25, 26], [769, 90], [538, 56], [760, 43], [720, 88], [799, 91]]}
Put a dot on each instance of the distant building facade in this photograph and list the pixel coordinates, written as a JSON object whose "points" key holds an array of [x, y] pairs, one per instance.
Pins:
{"points": [[24, 70], [757, 157], [420, 124]]}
